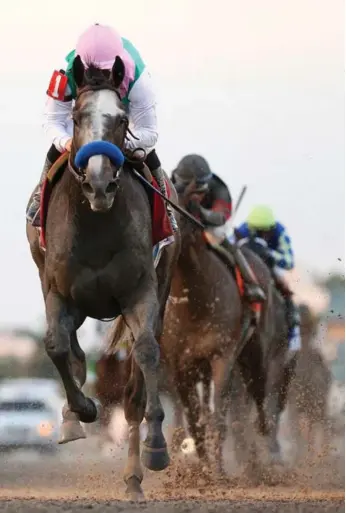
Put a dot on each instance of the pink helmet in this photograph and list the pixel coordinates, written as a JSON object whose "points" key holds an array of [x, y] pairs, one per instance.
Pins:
{"points": [[99, 44]]}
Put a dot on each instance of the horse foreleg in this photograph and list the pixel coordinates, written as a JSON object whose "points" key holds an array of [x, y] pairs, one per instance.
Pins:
{"points": [[288, 374], [134, 406], [143, 318], [178, 433], [240, 411], [252, 372], [71, 428], [277, 400], [221, 371], [189, 397], [62, 325]]}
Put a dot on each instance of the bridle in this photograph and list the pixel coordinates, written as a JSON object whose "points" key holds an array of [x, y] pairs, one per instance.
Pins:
{"points": [[79, 173]]}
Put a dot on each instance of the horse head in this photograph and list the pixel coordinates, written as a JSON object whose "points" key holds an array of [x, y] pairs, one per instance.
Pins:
{"points": [[100, 127], [190, 196]]}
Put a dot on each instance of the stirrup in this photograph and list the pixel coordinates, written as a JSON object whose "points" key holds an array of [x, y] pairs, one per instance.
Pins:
{"points": [[33, 216], [255, 294]]}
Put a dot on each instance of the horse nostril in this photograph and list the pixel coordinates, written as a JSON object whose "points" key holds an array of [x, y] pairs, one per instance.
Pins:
{"points": [[87, 188], [111, 187]]}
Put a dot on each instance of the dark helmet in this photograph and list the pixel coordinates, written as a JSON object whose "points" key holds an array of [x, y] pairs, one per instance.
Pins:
{"points": [[192, 167]]}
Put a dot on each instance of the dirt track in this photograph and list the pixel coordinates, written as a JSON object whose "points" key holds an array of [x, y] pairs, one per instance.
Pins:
{"points": [[80, 479]]}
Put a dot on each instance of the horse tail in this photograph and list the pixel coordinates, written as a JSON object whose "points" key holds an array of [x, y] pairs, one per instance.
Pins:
{"points": [[119, 335]]}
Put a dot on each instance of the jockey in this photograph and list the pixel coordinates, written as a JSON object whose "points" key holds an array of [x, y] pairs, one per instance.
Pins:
{"points": [[101, 45], [278, 255], [214, 208]]}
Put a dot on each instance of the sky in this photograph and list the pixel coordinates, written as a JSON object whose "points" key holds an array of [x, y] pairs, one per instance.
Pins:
{"points": [[256, 87]]}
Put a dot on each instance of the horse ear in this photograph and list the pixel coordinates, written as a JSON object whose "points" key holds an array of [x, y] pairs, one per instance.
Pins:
{"points": [[78, 71], [118, 72]]}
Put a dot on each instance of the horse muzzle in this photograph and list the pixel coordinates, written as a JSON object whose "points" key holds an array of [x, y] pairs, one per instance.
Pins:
{"points": [[99, 162], [100, 197], [101, 206]]}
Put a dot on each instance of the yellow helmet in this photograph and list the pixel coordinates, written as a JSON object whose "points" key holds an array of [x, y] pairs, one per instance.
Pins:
{"points": [[261, 217]]}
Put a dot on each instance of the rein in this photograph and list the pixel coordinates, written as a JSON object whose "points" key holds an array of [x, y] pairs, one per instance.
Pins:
{"points": [[176, 207]]}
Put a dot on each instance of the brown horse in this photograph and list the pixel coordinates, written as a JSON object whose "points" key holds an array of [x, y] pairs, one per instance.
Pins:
{"points": [[204, 337], [112, 374], [308, 394], [99, 263]]}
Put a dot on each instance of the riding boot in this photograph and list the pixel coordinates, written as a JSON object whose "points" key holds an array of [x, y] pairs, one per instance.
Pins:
{"points": [[160, 178], [33, 212], [253, 291], [292, 315], [293, 322]]}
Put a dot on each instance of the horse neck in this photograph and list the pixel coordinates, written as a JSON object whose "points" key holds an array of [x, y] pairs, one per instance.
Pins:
{"points": [[194, 279], [87, 223]]}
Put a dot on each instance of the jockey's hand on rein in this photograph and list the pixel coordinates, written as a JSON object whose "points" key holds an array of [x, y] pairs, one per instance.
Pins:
{"points": [[68, 145], [237, 234]]}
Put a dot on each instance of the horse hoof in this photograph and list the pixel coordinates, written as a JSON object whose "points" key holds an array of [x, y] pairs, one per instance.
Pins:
{"points": [[155, 459], [93, 412], [98, 407], [71, 430], [134, 490]]}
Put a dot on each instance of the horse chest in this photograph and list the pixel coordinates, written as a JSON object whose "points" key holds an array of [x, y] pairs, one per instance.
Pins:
{"points": [[101, 279]]}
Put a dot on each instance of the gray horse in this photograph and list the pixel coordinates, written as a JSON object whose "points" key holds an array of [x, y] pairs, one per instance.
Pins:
{"points": [[99, 263]]}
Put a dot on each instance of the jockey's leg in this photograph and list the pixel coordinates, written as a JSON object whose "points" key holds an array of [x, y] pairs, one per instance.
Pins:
{"points": [[292, 310], [154, 164], [253, 291], [33, 212]]}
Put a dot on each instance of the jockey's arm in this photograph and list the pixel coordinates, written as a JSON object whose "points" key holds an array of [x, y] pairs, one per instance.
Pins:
{"points": [[221, 209], [57, 122], [142, 114], [211, 217], [242, 232], [283, 255], [58, 125]]}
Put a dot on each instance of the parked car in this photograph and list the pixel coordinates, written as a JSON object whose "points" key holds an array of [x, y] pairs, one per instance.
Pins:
{"points": [[28, 423], [30, 413]]}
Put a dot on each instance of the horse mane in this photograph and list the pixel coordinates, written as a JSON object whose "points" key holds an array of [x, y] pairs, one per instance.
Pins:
{"points": [[95, 77]]}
